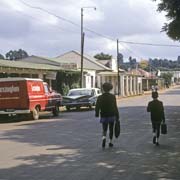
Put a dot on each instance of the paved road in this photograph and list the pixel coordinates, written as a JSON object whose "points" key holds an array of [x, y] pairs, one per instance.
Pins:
{"points": [[69, 147]]}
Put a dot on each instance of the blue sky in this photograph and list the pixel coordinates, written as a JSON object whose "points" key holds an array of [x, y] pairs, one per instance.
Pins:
{"points": [[43, 34]]}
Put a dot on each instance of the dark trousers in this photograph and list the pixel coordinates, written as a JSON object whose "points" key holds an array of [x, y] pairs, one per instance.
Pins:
{"points": [[156, 129], [105, 128]]}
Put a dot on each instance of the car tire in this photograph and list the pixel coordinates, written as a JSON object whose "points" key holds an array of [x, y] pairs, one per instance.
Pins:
{"points": [[3, 116], [90, 107], [68, 108], [78, 108], [55, 110], [35, 113]]}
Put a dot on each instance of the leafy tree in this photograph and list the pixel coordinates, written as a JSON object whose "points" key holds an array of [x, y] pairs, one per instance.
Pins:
{"points": [[66, 80], [13, 55], [103, 56], [22, 54], [132, 62], [9, 55], [167, 77], [172, 9], [1, 56], [144, 64], [164, 64]]}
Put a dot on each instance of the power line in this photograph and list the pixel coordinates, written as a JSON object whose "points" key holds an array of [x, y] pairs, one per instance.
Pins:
{"points": [[42, 9], [59, 27], [149, 44], [87, 29], [66, 20], [94, 32]]}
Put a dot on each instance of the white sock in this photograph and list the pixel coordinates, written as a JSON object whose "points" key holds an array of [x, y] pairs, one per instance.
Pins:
{"points": [[110, 141], [104, 137]]}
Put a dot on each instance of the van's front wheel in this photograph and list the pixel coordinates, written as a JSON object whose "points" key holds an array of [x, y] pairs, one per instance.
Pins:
{"points": [[35, 113]]}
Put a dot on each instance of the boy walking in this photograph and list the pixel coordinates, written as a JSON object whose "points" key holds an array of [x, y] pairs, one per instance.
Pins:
{"points": [[156, 108], [107, 108]]}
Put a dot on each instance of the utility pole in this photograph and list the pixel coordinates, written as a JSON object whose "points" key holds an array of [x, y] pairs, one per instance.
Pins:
{"points": [[82, 47], [82, 56], [82, 43], [118, 61]]}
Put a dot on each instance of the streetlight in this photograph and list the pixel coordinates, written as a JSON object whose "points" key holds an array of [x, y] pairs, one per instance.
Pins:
{"points": [[82, 42]]}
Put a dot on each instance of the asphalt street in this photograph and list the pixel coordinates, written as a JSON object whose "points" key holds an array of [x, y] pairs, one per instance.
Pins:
{"points": [[69, 147]]}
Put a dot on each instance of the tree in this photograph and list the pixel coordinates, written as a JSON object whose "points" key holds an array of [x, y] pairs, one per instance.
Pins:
{"points": [[144, 64], [66, 80], [167, 77], [172, 9], [132, 62], [103, 56], [164, 64], [13, 55], [1, 56]]}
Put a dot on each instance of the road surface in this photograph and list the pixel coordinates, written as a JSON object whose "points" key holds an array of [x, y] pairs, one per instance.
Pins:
{"points": [[69, 147]]}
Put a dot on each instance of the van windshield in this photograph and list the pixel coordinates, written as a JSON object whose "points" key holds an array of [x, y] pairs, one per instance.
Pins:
{"points": [[46, 88]]}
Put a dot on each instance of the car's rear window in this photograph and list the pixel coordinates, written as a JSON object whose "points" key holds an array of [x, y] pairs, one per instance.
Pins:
{"points": [[80, 92]]}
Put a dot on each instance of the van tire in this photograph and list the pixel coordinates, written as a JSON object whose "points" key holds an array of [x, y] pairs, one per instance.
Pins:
{"points": [[35, 113], [55, 110]]}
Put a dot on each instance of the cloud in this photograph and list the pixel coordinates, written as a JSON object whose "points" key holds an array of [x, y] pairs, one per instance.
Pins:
{"points": [[40, 33], [13, 25]]}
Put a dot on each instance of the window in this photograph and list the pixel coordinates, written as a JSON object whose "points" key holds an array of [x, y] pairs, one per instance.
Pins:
{"points": [[80, 92], [93, 92], [98, 91], [46, 89]]}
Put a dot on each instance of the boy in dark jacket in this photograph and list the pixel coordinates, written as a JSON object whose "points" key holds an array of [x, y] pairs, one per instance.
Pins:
{"points": [[107, 108], [156, 109]]}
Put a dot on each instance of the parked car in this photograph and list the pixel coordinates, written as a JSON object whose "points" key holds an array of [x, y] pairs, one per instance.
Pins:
{"points": [[27, 96], [81, 97]]}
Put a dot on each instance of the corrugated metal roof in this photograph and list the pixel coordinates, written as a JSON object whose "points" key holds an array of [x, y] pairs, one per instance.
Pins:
{"points": [[108, 73], [49, 61], [27, 65], [140, 72], [39, 60], [104, 62], [68, 61], [89, 62]]}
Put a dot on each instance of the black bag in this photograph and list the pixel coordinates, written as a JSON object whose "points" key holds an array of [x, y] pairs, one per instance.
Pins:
{"points": [[117, 129], [163, 128]]}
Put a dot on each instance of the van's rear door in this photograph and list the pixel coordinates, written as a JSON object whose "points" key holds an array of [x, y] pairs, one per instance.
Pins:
{"points": [[13, 95]]}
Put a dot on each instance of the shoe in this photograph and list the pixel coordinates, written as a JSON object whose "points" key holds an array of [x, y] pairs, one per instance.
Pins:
{"points": [[103, 143], [110, 144], [154, 140], [157, 144]]}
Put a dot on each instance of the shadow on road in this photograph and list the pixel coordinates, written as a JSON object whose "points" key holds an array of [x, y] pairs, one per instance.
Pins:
{"points": [[43, 115], [71, 149]]}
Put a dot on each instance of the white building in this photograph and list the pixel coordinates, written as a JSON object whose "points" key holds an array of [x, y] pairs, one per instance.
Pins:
{"points": [[95, 72], [91, 67], [129, 84]]}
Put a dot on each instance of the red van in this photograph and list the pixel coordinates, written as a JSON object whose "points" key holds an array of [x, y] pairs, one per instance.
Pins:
{"points": [[27, 96]]}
